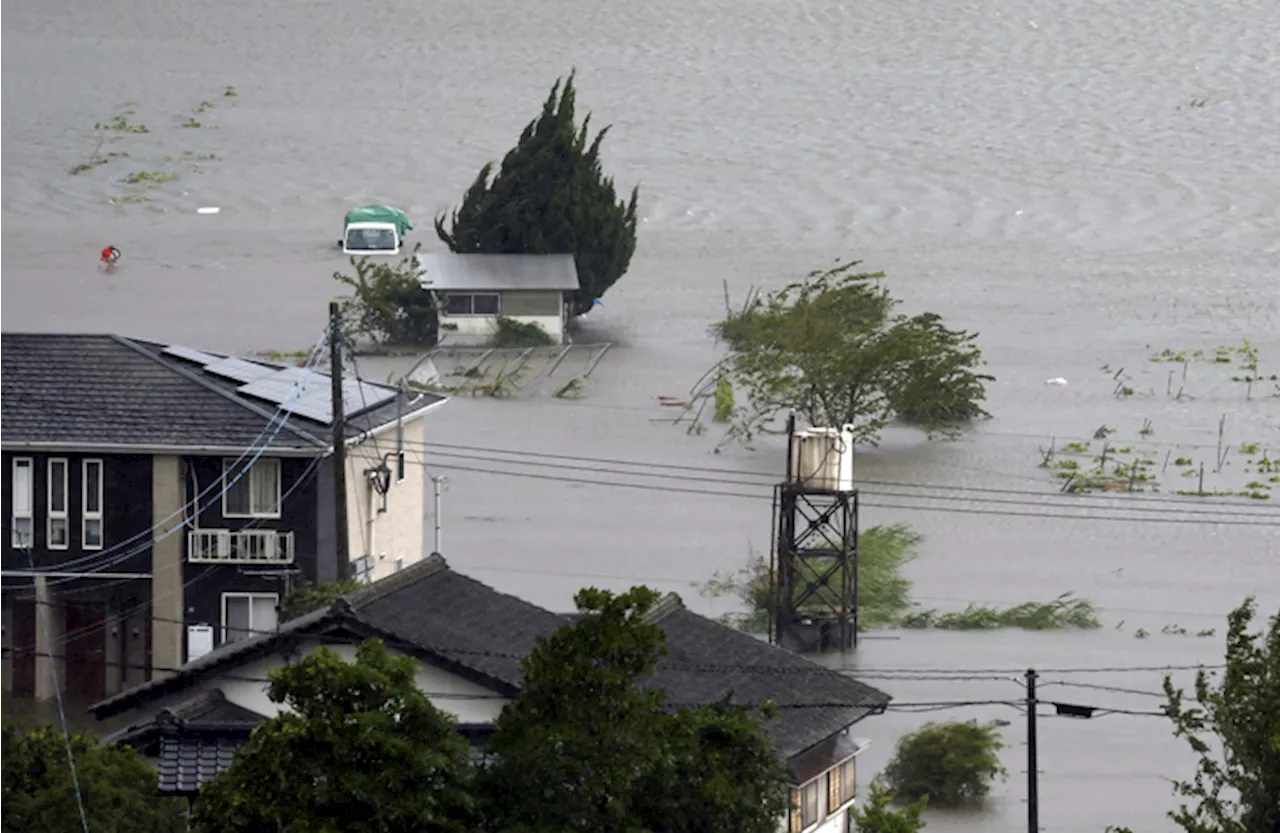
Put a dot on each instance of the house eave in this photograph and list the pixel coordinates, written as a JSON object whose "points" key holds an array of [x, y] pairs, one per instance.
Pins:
{"points": [[390, 426], [148, 449]]}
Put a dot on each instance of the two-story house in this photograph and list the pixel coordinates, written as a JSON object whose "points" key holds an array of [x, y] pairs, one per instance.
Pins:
{"points": [[468, 640], [158, 501]]}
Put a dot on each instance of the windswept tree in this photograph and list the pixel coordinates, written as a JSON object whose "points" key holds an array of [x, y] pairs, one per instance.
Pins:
{"points": [[550, 197], [1233, 726], [834, 348]]}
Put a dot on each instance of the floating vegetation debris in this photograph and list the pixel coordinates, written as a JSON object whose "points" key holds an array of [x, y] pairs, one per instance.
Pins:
{"points": [[149, 177], [1066, 611]]}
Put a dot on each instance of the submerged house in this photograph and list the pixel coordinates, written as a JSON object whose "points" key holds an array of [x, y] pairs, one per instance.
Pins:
{"points": [[473, 292], [159, 501], [467, 639]]}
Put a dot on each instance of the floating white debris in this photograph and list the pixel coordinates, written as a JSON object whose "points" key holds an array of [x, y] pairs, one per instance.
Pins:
{"points": [[212, 209], [1055, 381]]}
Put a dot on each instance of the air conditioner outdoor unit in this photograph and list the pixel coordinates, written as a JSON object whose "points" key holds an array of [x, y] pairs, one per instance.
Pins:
{"points": [[822, 458], [199, 641]]}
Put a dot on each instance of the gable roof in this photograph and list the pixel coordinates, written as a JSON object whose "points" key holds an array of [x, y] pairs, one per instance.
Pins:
{"points": [[463, 272], [469, 628], [87, 391]]}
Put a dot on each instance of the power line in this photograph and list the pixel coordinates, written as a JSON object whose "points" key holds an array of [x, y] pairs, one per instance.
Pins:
{"points": [[873, 504], [449, 449], [103, 556]]}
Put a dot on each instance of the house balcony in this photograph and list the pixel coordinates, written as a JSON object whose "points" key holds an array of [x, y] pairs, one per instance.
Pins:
{"points": [[247, 546]]}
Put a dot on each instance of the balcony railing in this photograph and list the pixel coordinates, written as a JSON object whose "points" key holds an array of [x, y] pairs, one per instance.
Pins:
{"points": [[249, 546]]}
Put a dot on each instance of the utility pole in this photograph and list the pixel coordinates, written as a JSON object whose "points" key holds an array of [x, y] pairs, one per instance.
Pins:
{"points": [[343, 539], [1033, 779]]}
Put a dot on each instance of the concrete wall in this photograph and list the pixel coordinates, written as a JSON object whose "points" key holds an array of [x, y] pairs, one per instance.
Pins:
{"points": [[167, 597], [398, 532]]}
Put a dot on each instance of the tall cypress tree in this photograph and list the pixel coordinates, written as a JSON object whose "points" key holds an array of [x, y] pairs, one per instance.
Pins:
{"points": [[550, 197]]}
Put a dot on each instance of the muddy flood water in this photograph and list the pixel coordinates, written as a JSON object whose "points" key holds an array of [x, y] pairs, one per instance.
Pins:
{"points": [[1085, 184]]}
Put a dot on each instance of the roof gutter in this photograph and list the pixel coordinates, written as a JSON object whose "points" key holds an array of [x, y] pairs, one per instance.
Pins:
{"points": [[392, 425], [127, 448]]}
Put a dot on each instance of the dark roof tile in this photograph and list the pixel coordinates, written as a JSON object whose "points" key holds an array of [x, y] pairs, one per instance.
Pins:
{"points": [[107, 390]]}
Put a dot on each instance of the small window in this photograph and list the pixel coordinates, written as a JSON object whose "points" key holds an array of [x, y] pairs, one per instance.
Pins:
{"points": [[23, 489], [811, 796], [457, 305], [362, 569], [848, 781], [797, 812], [256, 492], [59, 525], [399, 563], [463, 303], [248, 614], [834, 792], [91, 505]]}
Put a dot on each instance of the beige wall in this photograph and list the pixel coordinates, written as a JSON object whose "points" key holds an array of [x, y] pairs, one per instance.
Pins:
{"points": [[167, 600], [531, 303], [480, 328], [398, 532]]}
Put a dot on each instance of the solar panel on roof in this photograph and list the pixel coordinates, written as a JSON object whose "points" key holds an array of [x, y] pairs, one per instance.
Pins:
{"points": [[360, 396], [313, 410], [197, 356], [240, 370]]}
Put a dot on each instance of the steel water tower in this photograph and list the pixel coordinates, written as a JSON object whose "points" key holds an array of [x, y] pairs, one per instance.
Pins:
{"points": [[815, 558]]}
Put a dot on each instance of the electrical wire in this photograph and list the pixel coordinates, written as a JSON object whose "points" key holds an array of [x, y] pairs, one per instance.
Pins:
{"points": [[86, 630], [868, 503], [316, 356], [62, 717], [448, 449]]}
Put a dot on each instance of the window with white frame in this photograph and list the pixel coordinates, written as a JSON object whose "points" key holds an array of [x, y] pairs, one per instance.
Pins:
{"points": [[58, 522], [248, 614], [91, 505], [22, 522], [471, 303], [254, 493]]}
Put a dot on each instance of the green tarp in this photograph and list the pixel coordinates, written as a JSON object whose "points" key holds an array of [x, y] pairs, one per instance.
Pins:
{"points": [[379, 214]]}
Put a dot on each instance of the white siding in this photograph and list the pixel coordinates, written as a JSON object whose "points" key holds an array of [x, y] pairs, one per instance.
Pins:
{"points": [[399, 532], [243, 687]]}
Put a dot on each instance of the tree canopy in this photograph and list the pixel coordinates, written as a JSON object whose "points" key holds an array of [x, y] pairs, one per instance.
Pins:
{"points": [[362, 750], [950, 763], [586, 747], [117, 787], [311, 595], [550, 196], [832, 347], [1233, 726], [878, 815], [389, 303]]}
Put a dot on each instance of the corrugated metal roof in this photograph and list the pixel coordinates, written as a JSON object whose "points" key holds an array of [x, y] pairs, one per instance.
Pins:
{"points": [[455, 272]]}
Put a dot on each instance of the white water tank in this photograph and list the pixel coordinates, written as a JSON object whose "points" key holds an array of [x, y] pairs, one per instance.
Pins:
{"points": [[822, 458]]}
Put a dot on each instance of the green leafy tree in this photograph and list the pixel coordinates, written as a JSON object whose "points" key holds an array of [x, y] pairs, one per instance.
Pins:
{"points": [[833, 348], [950, 763], [310, 596], [389, 303], [585, 747], [878, 815], [362, 749], [551, 197], [117, 787], [1233, 725]]}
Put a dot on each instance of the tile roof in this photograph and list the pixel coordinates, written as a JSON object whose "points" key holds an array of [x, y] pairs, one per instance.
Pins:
{"points": [[482, 633], [190, 760], [446, 271], [108, 390]]}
